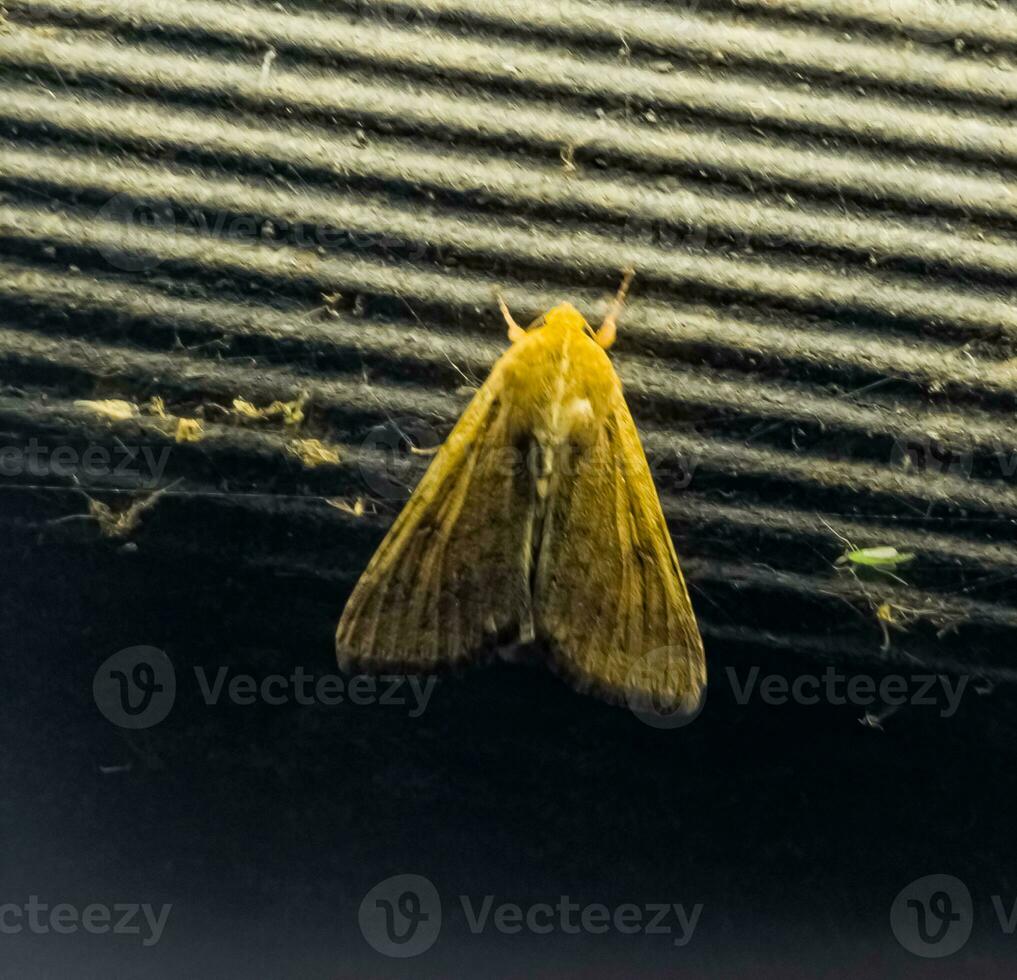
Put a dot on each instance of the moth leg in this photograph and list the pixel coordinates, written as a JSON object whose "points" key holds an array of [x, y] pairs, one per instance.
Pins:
{"points": [[609, 328], [515, 332]]}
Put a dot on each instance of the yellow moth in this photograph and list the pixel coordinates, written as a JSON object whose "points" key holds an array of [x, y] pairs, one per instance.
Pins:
{"points": [[536, 527]]}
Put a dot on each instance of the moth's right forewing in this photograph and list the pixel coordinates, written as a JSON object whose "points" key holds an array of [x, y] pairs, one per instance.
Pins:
{"points": [[610, 598], [452, 574]]}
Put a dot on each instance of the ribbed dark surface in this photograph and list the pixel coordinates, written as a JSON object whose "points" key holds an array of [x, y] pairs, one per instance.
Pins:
{"points": [[818, 196]]}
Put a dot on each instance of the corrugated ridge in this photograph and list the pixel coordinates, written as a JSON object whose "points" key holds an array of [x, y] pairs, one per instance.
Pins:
{"points": [[686, 32], [880, 119], [304, 513], [812, 194], [688, 509], [814, 285], [189, 377], [931, 366], [493, 118], [689, 210], [702, 389], [718, 38], [685, 507], [929, 21]]}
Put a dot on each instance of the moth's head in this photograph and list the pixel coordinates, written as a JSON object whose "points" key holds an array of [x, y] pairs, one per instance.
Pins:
{"points": [[564, 316]]}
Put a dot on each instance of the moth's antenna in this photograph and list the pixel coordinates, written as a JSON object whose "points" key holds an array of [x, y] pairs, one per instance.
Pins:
{"points": [[515, 332], [609, 328]]}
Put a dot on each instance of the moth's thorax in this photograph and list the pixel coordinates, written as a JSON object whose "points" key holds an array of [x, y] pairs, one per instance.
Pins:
{"points": [[560, 380], [563, 317]]}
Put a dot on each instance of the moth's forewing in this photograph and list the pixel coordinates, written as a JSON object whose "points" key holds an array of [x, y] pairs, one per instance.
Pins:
{"points": [[452, 573], [609, 595]]}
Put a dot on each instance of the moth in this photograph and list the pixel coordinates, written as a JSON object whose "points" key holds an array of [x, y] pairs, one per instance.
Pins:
{"points": [[536, 527]]}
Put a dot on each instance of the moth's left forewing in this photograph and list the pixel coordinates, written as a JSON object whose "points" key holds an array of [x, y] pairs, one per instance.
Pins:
{"points": [[452, 573], [609, 597]]}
